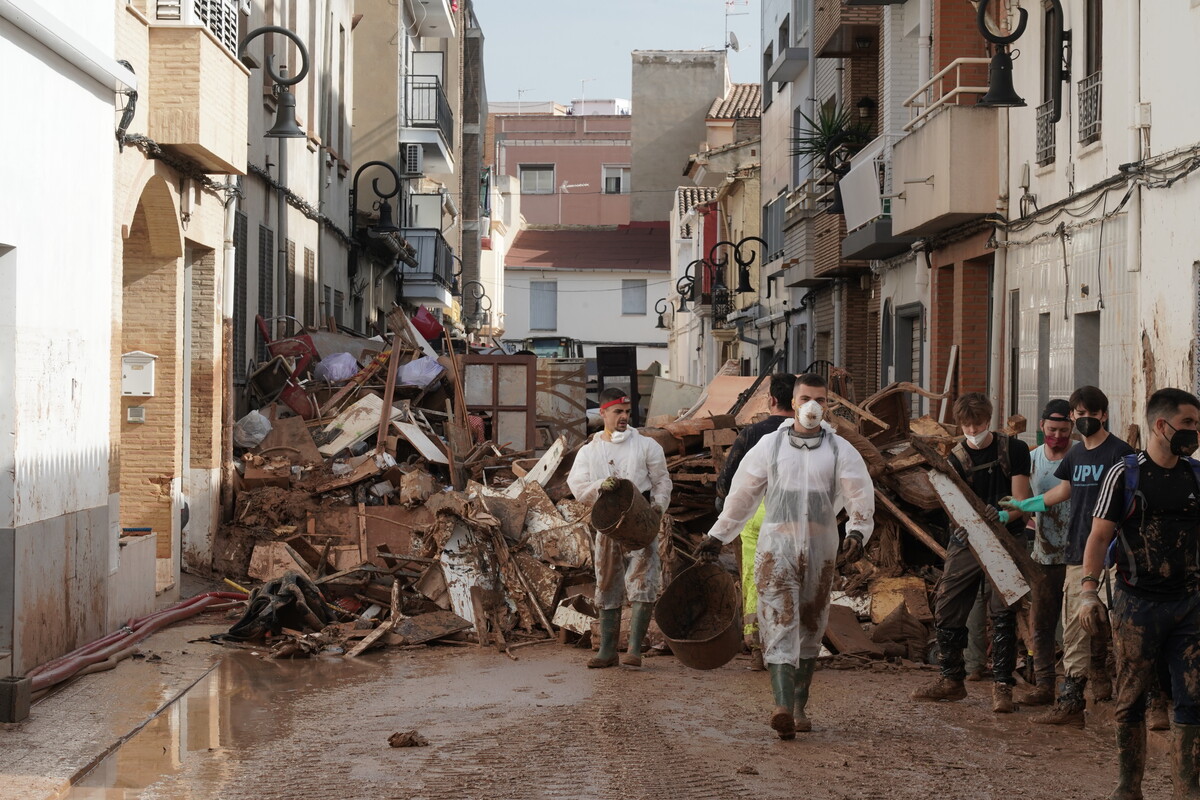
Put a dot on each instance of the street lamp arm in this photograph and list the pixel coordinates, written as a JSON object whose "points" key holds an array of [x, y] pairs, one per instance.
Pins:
{"points": [[375, 181], [296, 40]]}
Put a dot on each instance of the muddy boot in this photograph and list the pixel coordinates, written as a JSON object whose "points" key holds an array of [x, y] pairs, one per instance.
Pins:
{"points": [[1131, 761], [1099, 678], [1185, 744], [783, 688], [1068, 710], [639, 621], [949, 686], [1002, 698], [1156, 710], [804, 676], [1040, 695], [756, 660], [610, 632]]}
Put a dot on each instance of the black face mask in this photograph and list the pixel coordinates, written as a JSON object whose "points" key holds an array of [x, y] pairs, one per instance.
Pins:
{"points": [[1087, 426], [1183, 441]]}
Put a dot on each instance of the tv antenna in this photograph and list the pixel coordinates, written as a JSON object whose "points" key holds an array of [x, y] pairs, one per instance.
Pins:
{"points": [[731, 40]]}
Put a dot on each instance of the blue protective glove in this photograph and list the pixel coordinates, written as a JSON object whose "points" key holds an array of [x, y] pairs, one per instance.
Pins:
{"points": [[1034, 504]]}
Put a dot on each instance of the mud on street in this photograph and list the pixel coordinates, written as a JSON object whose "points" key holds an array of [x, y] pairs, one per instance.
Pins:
{"points": [[546, 727]]}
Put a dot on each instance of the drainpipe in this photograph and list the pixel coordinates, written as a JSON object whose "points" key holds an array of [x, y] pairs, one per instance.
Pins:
{"points": [[228, 277], [996, 367], [838, 344], [281, 211], [1133, 238], [924, 41]]}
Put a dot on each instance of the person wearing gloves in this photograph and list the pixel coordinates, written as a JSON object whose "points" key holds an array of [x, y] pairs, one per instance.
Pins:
{"points": [[619, 451], [1149, 504], [808, 474], [1081, 473], [994, 466]]}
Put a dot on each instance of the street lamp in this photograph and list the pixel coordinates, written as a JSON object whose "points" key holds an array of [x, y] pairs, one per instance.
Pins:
{"points": [[386, 224], [286, 126], [483, 305], [661, 308], [744, 262]]}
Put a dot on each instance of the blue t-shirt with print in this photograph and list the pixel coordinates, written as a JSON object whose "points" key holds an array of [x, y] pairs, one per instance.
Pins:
{"points": [[1085, 469]]}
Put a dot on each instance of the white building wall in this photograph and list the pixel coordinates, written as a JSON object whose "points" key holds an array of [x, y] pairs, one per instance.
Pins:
{"points": [[589, 309]]}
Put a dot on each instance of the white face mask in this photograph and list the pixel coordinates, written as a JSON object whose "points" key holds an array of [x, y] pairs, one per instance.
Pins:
{"points": [[619, 436], [977, 439], [810, 414]]}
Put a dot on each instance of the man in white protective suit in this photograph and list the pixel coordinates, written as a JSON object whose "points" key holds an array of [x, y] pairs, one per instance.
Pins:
{"points": [[808, 474], [619, 451]]}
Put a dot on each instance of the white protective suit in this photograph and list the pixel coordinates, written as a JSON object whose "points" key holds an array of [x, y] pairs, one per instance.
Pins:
{"points": [[640, 460], [798, 543]]}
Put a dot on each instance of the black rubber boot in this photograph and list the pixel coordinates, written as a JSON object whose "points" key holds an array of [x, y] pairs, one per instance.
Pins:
{"points": [[639, 622], [1004, 647], [804, 676], [1185, 751], [783, 689], [1131, 761], [610, 632], [1068, 709], [949, 686]]}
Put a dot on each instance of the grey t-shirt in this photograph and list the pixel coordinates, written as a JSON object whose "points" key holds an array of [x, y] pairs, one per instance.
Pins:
{"points": [[1085, 469]]}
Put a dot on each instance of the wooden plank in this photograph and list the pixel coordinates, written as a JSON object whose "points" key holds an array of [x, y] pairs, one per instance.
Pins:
{"points": [[355, 424], [542, 471], [912, 527], [861, 412], [909, 591], [413, 434], [290, 437], [846, 636], [389, 394], [427, 627], [362, 532], [358, 380], [369, 639]]}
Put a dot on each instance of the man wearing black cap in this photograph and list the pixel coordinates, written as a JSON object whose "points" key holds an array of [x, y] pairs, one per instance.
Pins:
{"points": [[1049, 546], [1081, 473]]}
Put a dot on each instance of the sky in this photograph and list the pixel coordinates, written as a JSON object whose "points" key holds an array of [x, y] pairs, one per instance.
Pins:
{"points": [[547, 47]]}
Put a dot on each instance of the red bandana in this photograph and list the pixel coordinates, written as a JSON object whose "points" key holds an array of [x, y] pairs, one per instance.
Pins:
{"points": [[616, 402]]}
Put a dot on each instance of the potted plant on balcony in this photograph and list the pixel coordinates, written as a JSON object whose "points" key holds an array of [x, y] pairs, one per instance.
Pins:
{"points": [[831, 140]]}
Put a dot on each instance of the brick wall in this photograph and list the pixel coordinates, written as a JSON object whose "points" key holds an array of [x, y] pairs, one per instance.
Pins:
{"points": [[961, 314], [941, 326], [955, 35], [151, 311]]}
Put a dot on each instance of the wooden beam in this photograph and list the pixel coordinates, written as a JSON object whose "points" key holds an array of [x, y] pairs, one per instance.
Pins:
{"points": [[913, 528]]}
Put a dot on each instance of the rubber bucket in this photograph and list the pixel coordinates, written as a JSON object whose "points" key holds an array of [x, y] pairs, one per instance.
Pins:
{"points": [[700, 615], [624, 515]]}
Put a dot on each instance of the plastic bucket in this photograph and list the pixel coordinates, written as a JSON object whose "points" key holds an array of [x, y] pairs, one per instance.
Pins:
{"points": [[624, 515], [700, 615]]}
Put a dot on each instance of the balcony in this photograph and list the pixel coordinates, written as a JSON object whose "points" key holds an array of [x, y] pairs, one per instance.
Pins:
{"points": [[429, 282], [435, 19], [791, 62], [1045, 133], [841, 28], [945, 170], [430, 122], [867, 197], [198, 96], [1089, 107]]}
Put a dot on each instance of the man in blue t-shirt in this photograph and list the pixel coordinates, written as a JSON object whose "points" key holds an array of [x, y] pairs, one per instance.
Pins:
{"points": [[1080, 474], [1150, 504]]}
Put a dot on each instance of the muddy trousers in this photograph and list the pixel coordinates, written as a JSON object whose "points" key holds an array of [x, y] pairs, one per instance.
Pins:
{"points": [[620, 574], [1047, 606], [956, 593], [1145, 631], [793, 606]]}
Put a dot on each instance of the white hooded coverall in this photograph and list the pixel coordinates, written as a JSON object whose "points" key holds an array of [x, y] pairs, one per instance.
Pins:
{"points": [[640, 460], [798, 543]]}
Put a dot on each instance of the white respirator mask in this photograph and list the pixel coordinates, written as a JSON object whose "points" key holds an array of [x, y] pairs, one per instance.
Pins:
{"points": [[977, 439], [619, 436], [810, 414]]}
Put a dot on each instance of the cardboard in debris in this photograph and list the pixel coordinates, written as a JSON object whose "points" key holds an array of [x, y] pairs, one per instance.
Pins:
{"points": [[432, 584], [415, 487], [553, 538], [354, 424], [909, 591], [272, 559], [258, 478], [576, 614], [544, 581], [845, 635], [427, 627], [722, 393], [289, 437]]}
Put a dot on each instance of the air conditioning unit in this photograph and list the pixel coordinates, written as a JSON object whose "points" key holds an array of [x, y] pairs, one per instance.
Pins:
{"points": [[414, 160]]}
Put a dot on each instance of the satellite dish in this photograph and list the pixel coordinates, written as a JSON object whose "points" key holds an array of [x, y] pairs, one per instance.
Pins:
{"points": [[733, 42]]}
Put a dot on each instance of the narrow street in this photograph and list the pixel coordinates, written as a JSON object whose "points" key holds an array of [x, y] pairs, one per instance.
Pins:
{"points": [[545, 727]]}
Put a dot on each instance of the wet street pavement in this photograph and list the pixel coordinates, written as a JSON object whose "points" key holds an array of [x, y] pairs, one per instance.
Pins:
{"points": [[546, 727]]}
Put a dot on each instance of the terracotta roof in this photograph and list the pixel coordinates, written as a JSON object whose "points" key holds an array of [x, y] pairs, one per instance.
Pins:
{"points": [[626, 247], [743, 100], [689, 198]]}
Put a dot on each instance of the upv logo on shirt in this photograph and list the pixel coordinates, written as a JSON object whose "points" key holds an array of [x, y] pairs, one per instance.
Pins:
{"points": [[1088, 473]]}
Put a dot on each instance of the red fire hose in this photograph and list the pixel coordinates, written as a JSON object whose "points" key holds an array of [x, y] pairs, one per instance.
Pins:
{"points": [[104, 653]]}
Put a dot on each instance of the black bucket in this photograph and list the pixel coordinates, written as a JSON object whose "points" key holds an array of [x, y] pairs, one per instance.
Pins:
{"points": [[700, 615], [624, 515]]}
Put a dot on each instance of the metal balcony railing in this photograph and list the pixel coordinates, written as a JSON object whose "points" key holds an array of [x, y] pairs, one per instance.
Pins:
{"points": [[219, 16], [1045, 133], [433, 256], [1089, 107], [428, 106], [943, 89]]}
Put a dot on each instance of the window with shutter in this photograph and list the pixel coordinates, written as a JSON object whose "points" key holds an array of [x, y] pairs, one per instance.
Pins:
{"points": [[633, 297], [241, 265], [310, 287], [266, 284], [289, 281], [543, 305], [537, 179]]}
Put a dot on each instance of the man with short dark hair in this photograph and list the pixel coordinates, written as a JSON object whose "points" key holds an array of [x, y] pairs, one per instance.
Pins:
{"points": [[994, 466], [1150, 505], [779, 404], [621, 452], [808, 474], [1080, 473]]}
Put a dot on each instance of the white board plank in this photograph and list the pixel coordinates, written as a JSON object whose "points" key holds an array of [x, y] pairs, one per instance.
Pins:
{"points": [[994, 559], [418, 439], [355, 424]]}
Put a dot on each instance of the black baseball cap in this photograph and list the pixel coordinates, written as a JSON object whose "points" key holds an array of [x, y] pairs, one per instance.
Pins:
{"points": [[1057, 411]]}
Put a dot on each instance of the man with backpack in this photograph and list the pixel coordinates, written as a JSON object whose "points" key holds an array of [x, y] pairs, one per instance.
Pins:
{"points": [[1080, 475], [994, 466], [1147, 518]]}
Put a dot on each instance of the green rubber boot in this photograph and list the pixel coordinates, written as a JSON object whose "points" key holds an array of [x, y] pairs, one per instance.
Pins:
{"points": [[639, 621], [804, 676], [1131, 761], [783, 688], [1185, 752], [610, 632]]}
